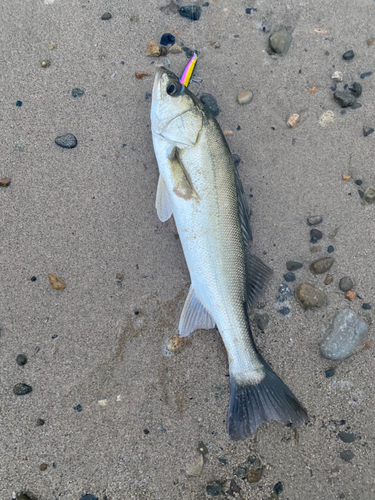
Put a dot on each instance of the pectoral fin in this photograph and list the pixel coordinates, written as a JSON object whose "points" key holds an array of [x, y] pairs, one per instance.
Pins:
{"points": [[194, 315], [182, 186], [163, 201]]}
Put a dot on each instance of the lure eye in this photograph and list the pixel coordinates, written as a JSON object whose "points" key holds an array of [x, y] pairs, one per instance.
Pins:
{"points": [[173, 88]]}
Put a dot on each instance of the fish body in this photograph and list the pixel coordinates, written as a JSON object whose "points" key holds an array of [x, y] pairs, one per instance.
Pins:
{"points": [[199, 185]]}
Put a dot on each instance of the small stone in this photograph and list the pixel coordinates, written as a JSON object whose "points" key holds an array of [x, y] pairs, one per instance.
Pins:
{"points": [[370, 42], [76, 92], [153, 49], [346, 177], [40, 422], [244, 97], [140, 75], [349, 54], [330, 249], [359, 182], [175, 343], [23, 496], [356, 89], [46, 63], [328, 279], [322, 265], [202, 448], [167, 39], [292, 265], [106, 16], [175, 49], [350, 295], [293, 120], [240, 472], [233, 487], [195, 469], [280, 41], [192, 12], [284, 292], [368, 344], [366, 306], [310, 297], [119, 276], [236, 159], [284, 311], [313, 89], [4, 182], [315, 235], [21, 360], [337, 76], [365, 75], [356, 105], [215, 45], [278, 488], [22, 389], [330, 373], [227, 133], [89, 497], [347, 437], [261, 320], [289, 277], [370, 194], [367, 131], [345, 334], [344, 98], [316, 248], [18, 104], [345, 284], [347, 455], [77, 408], [211, 103], [56, 282], [214, 489], [314, 220], [223, 461], [326, 118], [134, 19], [43, 466], [254, 476], [68, 141]]}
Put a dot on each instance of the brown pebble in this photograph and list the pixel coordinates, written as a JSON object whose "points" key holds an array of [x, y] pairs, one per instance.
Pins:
{"points": [[56, 282], [313, 89], [328, 280], [141, 74], [370, 42], [4, 182], [43, 466], [322, 265], [368, 344], [253, 476], [227, 133], [350, 294], [216, 45], [293, 120], [153, 49], [46, 63], [346, 177], [175, 49], [175, 343], [119, 276]]}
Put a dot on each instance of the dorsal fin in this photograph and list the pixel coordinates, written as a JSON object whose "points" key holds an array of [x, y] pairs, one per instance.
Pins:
{"points": [[244, 211]]}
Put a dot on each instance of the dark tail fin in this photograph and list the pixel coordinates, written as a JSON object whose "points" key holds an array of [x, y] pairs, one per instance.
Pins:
{"points": [[251, 405]]}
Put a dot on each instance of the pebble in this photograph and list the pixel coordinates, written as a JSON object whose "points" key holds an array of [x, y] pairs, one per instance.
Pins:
{"points": [[289, 277], [356, 105], [309, 296], [349, 54], [347, 455], [153, 49], [315, 235], [284, 311], [292, 265], [18, 104], [175, 343], [280, 41], [134, 19], [345, 284], [356, 89], [22, 389], [77, 408], [214, 489], [89, 497], [326, 118], [233, 488], [350, 295], [119, 276], [141, 74], [68, 141], [347, 437], [328, 279], [211, 103], [46, 63], [367, 131], [345, 334], [366, 306], [167, 39], [56, 282], [293, 120], [175, 49], [23, 496], [322, 265], [359, 182], [284, 292], [313, 89], [227, 133], [106, 16], [76, 92], [365, 75], [4, 182], [337, 76], [21, 360], [195, 469], [192, 12], [346, 177], [316, 248], [40, 422], [244, 97], [330, 249], [236, 159], [314, 220], [370, 194], [43, 466], [330, 373], [202, 448], [344, 98], [261, 320], [278, 488], [254, 476]]}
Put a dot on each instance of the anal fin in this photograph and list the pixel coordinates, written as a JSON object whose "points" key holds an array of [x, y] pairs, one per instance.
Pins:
{"points": [[194, 315]]}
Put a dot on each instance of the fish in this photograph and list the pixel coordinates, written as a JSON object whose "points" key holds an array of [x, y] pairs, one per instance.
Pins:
{"points": [[200, 186]]}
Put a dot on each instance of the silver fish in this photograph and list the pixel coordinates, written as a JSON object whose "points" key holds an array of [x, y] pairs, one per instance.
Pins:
{"points": [[199, 185]]}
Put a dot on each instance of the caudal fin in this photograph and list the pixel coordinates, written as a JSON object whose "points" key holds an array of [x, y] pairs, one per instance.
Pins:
{"points": [[251, 405]]}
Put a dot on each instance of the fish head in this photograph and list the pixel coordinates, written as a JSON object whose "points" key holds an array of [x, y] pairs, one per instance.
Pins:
{"points": [[176, 114]]}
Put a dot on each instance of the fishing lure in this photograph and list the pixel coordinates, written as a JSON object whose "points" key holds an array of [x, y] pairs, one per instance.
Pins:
{"points": [[188, 71]]}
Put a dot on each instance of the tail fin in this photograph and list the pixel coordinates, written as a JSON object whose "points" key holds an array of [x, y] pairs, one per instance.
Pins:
{"points": [[251, 405]]}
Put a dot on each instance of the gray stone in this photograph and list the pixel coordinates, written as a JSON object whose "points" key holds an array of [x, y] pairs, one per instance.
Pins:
{"points": [[106, 16], [289, 277], [346, 333], [68, 141], [21, 389], [192, 12], [347, 455], [349, 54], [322, 265], [214, 489], [76, 92], [370, 194], [195, 469], [280, 41], [89, 497], [367, 131], [21, 359], [356, 89], [211, 103], [261, 320], [314, 220], [310, 297], [284, 292], [346, 284], [347, 437], [344, 98], [292, 265]]}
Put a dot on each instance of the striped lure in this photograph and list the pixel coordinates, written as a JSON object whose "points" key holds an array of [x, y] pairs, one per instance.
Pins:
{"points": [[188, 71]]}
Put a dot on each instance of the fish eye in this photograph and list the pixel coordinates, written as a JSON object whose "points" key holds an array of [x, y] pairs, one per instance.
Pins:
{"points": [[173, 89]]}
